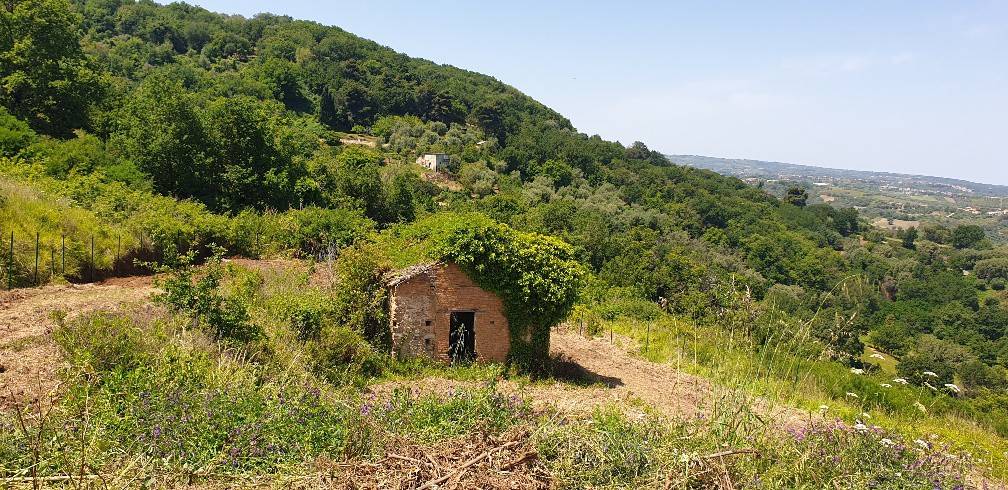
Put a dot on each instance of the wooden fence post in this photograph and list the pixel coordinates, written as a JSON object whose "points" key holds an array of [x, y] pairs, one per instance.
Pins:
{"points": [[36, 257], [647, 338], [10, 263]]}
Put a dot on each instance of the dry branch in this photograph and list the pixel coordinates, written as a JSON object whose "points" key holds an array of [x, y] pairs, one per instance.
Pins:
{"points": [[730, 452], [466, 465]]}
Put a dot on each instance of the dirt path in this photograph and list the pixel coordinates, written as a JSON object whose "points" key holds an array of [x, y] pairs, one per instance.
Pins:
{"points": [[29, 358], [592, 373], [627, 377]]}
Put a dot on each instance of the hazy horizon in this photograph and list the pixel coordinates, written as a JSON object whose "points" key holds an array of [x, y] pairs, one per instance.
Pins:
{"points": [[905, 87]]}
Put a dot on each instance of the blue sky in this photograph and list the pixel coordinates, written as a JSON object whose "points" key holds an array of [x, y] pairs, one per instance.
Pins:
{"points": [[901, 86]]}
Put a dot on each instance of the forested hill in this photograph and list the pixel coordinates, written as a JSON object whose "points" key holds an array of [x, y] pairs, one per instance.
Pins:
{"points": [[184, 126]]}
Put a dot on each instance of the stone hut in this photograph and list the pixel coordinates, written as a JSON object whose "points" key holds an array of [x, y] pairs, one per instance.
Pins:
{"points": [[433, 161], [436, 310]]}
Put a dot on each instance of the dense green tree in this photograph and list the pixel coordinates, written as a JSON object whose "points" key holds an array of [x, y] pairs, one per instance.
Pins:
{"points": [[796, 196], [967, 236], [45, 79], [160, 128], [909, 237], [248, 167], [993, 268]]}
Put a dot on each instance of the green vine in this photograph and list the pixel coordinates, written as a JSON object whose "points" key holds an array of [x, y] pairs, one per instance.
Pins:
{"points": [[536, 276]]}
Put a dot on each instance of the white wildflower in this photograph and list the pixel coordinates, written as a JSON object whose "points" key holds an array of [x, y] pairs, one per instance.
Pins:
{"points": [[857, 370], [920, 406], [865, 415], [861, 427], [877, 356], [929, 386], [852, 395], [886, 385], [922, 443], [953, 387], [900, 381], [930, 373], [886, 441], [823, 408]]}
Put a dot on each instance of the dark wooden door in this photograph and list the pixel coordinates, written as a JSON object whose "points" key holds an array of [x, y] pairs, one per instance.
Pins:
{"points": [[462, 336]]}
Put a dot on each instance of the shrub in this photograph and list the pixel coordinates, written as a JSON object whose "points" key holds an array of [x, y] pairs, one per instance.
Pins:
{"points": [[340, 355], [224, 317], [359, 294], [102, 342], [15, 134]]}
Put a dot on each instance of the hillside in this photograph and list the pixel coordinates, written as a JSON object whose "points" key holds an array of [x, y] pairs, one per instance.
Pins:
{"points": [[205, 221]]}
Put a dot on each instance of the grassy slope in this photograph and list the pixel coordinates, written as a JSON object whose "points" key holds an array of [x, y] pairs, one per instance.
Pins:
{"points": [[245, 386], [785, 377], [149, 393]]}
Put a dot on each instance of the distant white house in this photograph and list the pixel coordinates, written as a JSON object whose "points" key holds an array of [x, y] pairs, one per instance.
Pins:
{"points": [[433, 161]]}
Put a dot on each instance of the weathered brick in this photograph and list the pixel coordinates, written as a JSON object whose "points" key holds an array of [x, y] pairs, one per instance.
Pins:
{"points": [[420, 308]]}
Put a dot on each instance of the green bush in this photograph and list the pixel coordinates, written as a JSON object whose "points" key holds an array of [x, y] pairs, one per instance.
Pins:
{"points": [[15, 135], [225, 317], [102, 342], [341, 355], [359, 294]]}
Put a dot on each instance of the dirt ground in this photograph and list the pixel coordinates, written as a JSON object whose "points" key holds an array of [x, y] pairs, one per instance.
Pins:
{"points": [[29, 359], [590, 373]]}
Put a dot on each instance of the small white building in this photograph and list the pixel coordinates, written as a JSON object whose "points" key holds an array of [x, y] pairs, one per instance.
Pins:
{"points": [[433, 161]]}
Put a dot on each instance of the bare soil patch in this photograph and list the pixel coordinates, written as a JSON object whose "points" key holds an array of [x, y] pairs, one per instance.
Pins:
{"points": [[590, 373], [29, 359]]}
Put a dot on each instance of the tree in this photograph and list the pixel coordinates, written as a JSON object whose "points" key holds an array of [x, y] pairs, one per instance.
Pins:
{"points": [[161, 130], [244, 153], [796, 196], [909, 237], [15, 135], [967, 236], [993, 268], [358, 179], [933, 361], [45, 78]]}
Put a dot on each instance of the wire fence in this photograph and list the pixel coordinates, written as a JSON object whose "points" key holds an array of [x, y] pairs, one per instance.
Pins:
{"points": [[34, 259], [30, 261]]}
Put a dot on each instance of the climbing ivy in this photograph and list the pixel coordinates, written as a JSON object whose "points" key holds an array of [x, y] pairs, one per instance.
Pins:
{"points": [[536, 277]]}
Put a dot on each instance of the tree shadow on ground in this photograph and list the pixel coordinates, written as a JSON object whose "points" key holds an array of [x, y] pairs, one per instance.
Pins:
{"points": [[568, 370]]}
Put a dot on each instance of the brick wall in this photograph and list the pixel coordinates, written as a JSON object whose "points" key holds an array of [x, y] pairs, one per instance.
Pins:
{"points": [[420, 311]]}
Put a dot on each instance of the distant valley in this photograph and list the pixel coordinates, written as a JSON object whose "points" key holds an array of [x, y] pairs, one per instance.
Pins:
{"points": [[890, 200]]}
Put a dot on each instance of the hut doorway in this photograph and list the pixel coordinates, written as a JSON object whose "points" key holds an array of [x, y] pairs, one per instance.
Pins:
{"points": [[462, 336]]}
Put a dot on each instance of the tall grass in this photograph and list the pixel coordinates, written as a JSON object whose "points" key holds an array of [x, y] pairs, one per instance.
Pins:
{"points": [[610, 450], [771, 361], [65, 235]]}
